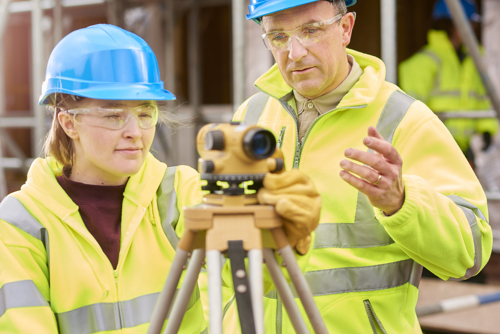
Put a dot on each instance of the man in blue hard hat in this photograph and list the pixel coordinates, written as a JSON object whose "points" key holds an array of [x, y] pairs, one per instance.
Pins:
{"points": [[340, 122], [444, 76]]}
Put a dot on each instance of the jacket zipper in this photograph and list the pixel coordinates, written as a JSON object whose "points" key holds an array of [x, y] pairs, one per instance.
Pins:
{"points": [[300, 144], [281, 136], [118, 306]]}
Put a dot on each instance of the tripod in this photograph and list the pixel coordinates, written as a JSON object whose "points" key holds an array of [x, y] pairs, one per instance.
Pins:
{"points": [[235, 223]]}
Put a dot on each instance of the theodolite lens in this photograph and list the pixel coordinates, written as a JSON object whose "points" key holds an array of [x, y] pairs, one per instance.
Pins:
{"points": [[259, 144]]}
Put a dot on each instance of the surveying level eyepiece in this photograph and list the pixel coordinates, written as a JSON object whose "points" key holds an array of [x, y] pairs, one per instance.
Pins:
{"points": [[236, 153]]}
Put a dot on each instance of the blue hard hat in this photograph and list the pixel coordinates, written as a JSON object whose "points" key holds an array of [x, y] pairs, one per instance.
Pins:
{"points": [[441, 11], [104, 62], [259, 8]]}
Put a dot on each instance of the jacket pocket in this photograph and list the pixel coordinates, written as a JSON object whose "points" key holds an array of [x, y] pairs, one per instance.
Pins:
{"points": [[372, 317]]}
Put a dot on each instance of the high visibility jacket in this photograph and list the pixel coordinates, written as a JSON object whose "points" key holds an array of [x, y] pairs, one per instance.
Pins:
{"points": [[364, 268], [54, 276], [436, 77]]}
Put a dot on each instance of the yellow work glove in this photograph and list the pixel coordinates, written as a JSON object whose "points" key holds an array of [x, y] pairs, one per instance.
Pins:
{"points": [[297, 201]]}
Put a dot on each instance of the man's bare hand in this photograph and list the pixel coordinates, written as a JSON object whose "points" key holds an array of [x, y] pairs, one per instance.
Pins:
{"points": [[380, 176]]}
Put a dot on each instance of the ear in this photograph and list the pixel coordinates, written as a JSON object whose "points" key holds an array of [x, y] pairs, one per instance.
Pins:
{"points": [[347, 24], [67, 124]]}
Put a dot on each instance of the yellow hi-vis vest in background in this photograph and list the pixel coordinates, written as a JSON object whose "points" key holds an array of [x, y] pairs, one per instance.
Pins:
{"points": [[55, 278], [436, 77], [364, 268]]}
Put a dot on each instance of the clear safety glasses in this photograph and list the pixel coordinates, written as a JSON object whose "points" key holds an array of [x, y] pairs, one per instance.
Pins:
{"points": [[307, 34], [115, 118]]}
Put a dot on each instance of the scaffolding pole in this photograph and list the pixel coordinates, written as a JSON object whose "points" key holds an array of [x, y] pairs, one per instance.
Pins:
{"points": [[58, 22], [194, 67], [462, 24], [4, 11], [239, 41], [37, 75], [388, 38]]}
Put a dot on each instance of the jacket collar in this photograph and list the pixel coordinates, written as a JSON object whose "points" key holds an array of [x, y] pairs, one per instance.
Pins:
{"points": [[364, 91], [43, 186]]}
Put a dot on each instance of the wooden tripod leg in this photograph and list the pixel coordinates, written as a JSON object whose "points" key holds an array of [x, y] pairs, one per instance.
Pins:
{"points": [[214, 268], [167, 294], [285, 293], [299, 282], [182, 300]]}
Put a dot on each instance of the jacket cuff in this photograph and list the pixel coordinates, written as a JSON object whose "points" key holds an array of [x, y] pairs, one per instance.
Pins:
{"points": [[409, 208]]}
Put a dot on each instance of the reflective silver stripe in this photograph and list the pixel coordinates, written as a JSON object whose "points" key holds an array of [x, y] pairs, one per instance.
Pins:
{"points": [[356, 279], [255, 108], [478, 96], [437, 79], [433, 56], [416, 274], [167, 206], [348, 235], [471, 212], [395, 109], [112, 316], [439, 93], [13, 212], [20, 294]]}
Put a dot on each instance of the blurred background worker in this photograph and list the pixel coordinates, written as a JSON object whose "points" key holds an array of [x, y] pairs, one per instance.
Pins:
{"points": [[443, 76]]}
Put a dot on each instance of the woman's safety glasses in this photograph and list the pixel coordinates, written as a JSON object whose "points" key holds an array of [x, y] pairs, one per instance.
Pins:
{"points": [[307, 34], [115, 118]]}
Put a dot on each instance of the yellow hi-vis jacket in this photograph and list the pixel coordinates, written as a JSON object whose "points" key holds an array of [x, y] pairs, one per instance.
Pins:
{"points": [[55, 278], [364, 268], [436, 77]]}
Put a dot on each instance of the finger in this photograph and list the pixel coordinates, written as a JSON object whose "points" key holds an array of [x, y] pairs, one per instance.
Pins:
{"points": [[384, 148], [375, 161], [367, 173], [373, 132], [365, 187]]}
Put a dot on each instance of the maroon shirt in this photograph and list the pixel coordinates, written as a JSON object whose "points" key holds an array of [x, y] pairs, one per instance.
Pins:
{"points": [[101, 211]]}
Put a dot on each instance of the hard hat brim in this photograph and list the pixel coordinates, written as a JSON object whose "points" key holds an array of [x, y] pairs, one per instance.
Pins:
{"points": [[257, 12], [116, 92]]}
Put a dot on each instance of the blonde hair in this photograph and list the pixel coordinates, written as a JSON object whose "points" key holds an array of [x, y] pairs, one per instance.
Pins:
{"points": [[60, 146], [57, 144]]}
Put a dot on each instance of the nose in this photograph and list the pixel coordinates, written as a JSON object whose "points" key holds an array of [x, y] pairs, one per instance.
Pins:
{"points": [[296, 49], [132, 129]]}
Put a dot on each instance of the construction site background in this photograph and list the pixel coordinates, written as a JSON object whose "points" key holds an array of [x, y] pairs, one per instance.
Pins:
{"points": [[209, 57]]}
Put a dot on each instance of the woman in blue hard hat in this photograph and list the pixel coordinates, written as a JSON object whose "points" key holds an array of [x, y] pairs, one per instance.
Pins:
{"points": [[87, 243]]}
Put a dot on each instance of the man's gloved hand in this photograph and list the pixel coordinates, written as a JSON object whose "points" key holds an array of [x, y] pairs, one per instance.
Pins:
{"points": [[297, 201], [486, 141]]}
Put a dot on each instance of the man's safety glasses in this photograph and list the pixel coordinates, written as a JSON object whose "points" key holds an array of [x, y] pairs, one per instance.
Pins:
{"points": [[115, 118], [307, 34]]}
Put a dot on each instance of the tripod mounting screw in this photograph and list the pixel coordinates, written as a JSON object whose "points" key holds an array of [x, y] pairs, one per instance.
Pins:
{"points": [[241, 288], [240, 273]]}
